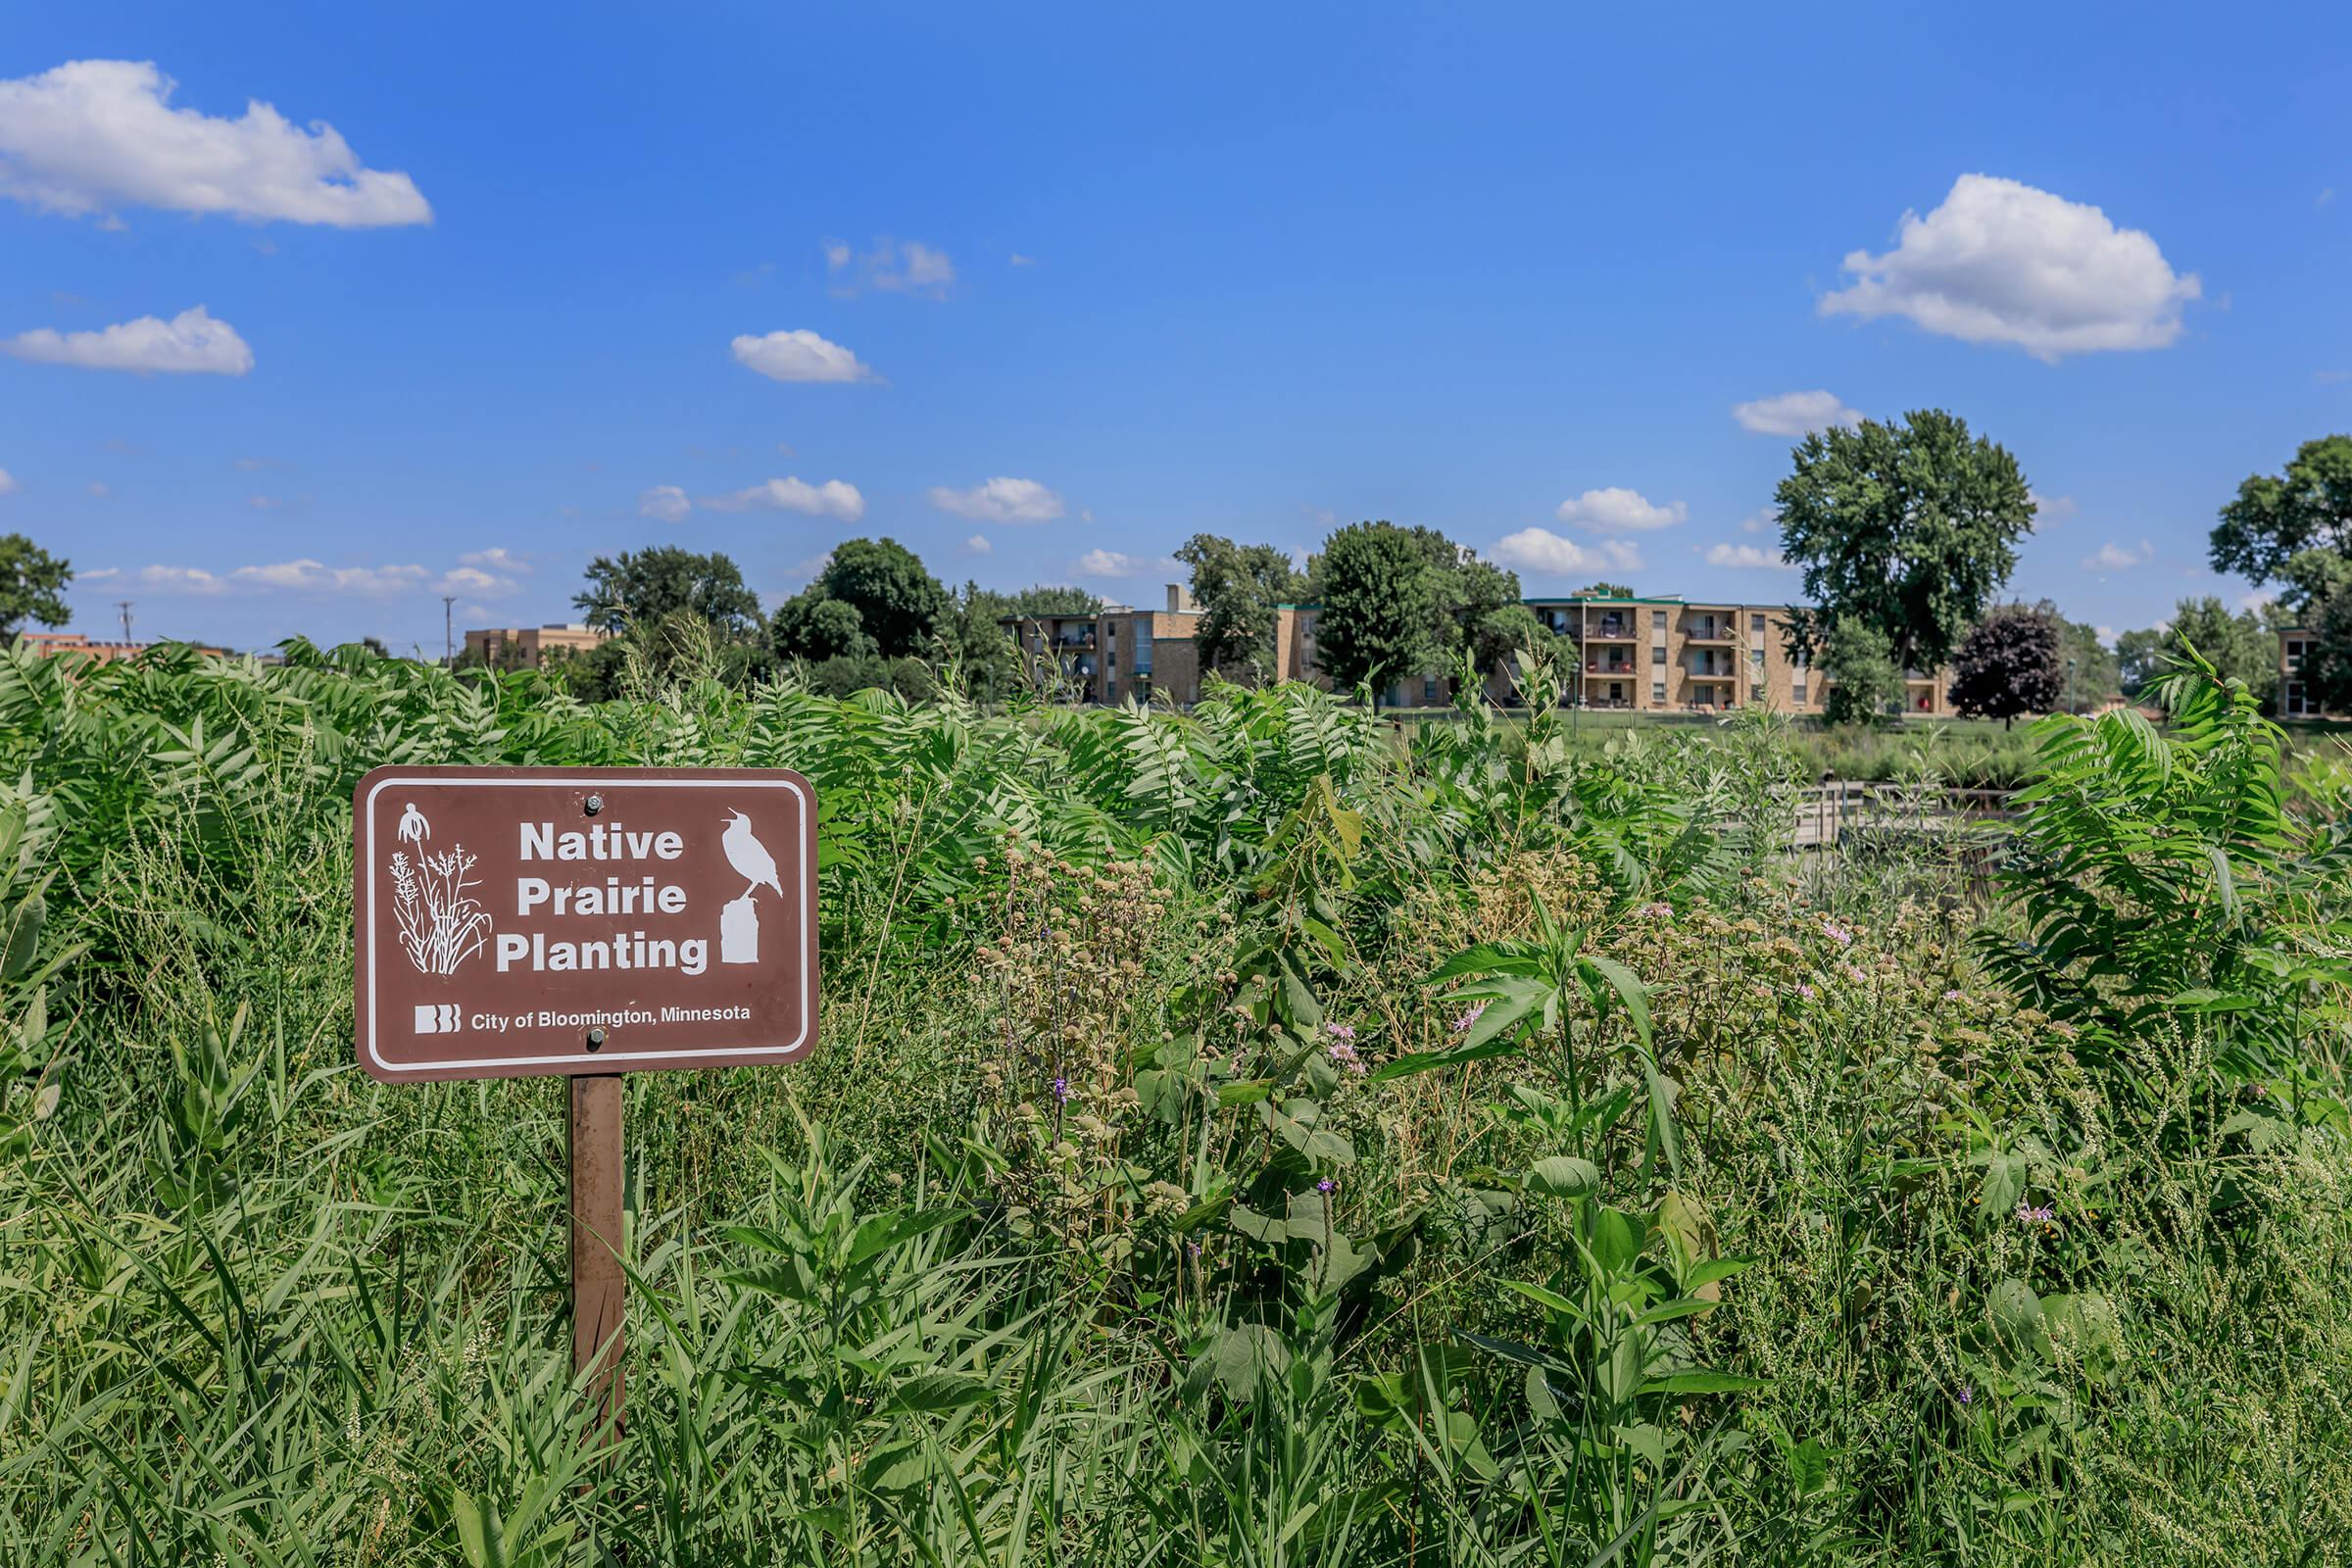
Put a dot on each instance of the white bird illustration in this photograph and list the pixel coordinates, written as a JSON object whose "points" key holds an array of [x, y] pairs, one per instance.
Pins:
{"points": [[749, 856], [413, 826]]}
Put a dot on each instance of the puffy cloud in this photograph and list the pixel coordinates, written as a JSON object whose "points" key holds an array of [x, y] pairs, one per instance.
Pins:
{"points": [[1764, 519], [2111, 556], [978, 545], [474, 580], [313, 578], [800, 356], [1794, 414], [892, 268], [835, 498], [1114, 564], [94, 135], [2001, 261], [664, 503], [498, 558], [1000, 500], [1540, 550], [1746, 555], [193, 342], [2048, 510], [8, 482], [1620, 510]]}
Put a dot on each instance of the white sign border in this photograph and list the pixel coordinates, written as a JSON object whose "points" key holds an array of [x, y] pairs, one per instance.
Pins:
{"points": [[804, 807]]}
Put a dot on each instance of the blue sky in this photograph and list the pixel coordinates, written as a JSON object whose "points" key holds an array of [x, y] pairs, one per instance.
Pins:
{"points": [[560, 288]]}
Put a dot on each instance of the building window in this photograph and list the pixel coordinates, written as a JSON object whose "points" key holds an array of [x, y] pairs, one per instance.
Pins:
{"points": [[2294, 653], [1755, 691], [1657, 693], [1797, 694], [1755, 657], [1657, 654], [2294, 698], [1429, 691], [1755, 623], [1657, 620]]}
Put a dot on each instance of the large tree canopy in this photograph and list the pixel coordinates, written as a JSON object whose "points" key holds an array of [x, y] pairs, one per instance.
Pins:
{"points": [[1859, 669], [1237, 588], [2294, 528], [874, 598], [1400, 602], [32, 585], [2011, 662], [1382, 615], [1909, 529], [642, 589]]}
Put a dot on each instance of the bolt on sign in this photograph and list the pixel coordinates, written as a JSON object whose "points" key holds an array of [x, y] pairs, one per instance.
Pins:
{"points": [[518, 920]]}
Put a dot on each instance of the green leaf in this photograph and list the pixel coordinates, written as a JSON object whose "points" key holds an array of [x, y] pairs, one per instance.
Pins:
{"points": [[1628, 986], [1702, 1383], [942, 1391], [1564, 1176]]}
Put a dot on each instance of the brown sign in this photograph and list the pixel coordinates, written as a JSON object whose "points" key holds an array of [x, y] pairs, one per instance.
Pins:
{"points": [[530, 920]]}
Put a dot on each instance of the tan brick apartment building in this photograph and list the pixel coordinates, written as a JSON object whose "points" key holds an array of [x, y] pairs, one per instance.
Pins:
{"points": [[1643, 655], [52, 644], [527, 647]]}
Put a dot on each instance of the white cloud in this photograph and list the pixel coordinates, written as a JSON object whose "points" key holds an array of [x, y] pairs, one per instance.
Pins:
{"points": [[313, 578], [474, 580], [2105, 635], [893, 267], [8, 484], [1114, 564], [1000, 500], [1620, 510], [2004, 262], [664, 503], [1764, 519], [1794, 414], [1540, 550], [2049, 510], [2113, 556], [835, 498], [2258, 598], [93, 134], [498, 558], [978, 545], [800, 356], [1018, 259], [100, 488], [193, 342], [1746, 555]]}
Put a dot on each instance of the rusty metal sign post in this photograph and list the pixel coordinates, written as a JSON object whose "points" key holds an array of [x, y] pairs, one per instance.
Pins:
{"points": [[586, 922]]}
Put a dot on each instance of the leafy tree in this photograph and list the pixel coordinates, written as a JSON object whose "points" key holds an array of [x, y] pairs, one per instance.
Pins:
{"points": [[2093, 675], [643, 589], [2294, 528], [2239, 645], [1237, 587], [1040, 601], [2010, 663], [1384, 617], [32, 585], [1481, 600], [2138, 656], [1908, 529], [1605, 590], [899, 605], [811, 626], [1860, 666]]}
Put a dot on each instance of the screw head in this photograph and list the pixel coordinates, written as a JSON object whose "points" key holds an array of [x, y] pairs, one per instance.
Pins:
{"points": [[594, 804], [596, 1037]]}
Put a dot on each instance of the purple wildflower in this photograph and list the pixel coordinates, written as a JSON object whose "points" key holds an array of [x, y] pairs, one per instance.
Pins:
{"points": [[1805, 991], [1461, 1025], [1340, 1031], [1345, 1054], [1837, 933], [1951, 996], [1657, 912], [1853, 972], [1968, 1394], [1326, 1185], [1062, 1090], [2029, 1214]]}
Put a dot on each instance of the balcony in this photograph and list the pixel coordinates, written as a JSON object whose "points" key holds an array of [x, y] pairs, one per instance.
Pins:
{"points": [[1609, 629], [1600, 666], [1707, 629], [1068, 640]]}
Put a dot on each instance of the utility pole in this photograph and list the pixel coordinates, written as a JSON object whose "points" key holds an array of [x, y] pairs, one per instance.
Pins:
{"points": [[449, 650], [124, 605], [2070, 685]]}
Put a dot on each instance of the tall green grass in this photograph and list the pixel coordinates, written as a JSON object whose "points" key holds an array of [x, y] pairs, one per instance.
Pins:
{"points": [[1727, 1245]]}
